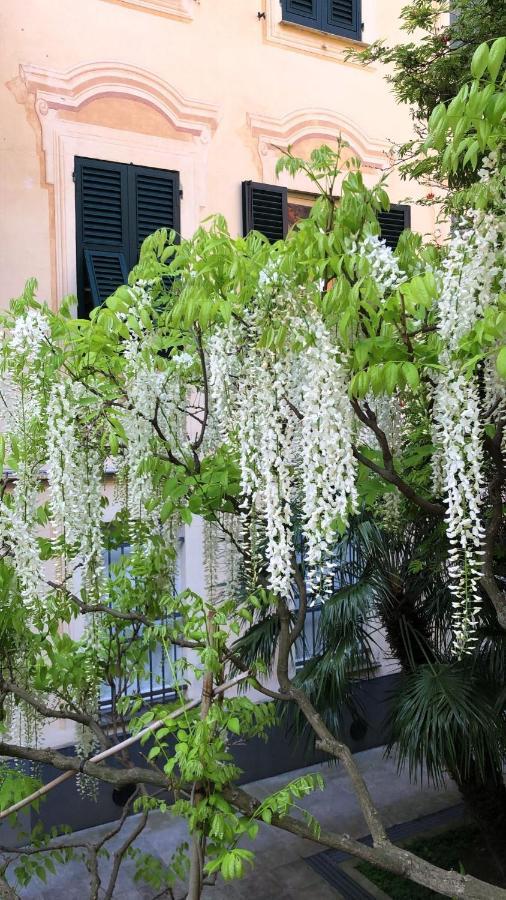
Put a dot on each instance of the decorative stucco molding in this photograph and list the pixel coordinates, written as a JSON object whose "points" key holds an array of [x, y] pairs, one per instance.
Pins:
{"points": [[77, 86], [276, 134], [63, 139], [176, 9]]}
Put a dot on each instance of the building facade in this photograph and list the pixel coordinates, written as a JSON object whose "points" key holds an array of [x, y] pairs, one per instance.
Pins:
{"points": [[121, 116]]}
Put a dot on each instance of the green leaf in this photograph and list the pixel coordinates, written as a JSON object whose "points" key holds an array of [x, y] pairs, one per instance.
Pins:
{"points": [[411, 375], [472, 154], [186, 515], [501, 362], [234, 725], [391, 377], [496, 57], [479, 60], [437, 115]]}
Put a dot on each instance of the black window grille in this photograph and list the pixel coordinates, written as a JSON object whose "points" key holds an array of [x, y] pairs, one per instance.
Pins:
{"points": [[158, 683]]}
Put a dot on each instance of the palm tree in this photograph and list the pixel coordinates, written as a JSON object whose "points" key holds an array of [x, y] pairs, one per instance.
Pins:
{"points": [[449, 715]]}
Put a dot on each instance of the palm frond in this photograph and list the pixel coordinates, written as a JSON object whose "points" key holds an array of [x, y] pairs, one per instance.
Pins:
{"points": [[444, 720]]}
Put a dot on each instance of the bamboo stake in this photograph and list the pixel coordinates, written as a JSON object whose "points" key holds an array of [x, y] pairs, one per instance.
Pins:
{"points": [[117, 747]]}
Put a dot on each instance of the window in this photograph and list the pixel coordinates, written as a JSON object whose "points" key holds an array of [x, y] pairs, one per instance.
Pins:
{"points": [[157, 684], [271, 210], [341, 17], [117, 206], [348, 570]]}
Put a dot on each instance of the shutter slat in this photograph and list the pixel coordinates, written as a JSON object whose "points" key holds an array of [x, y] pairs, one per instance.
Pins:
{"points": [[265, 209], [393, 222], [106, 270], [342, 10]]}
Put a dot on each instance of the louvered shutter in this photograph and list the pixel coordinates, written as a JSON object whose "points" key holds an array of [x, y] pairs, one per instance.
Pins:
{"points": [[154, 204], [342, 17], [101, 230], [393, 222], [265, 209], [303, 12], [117, 206]]}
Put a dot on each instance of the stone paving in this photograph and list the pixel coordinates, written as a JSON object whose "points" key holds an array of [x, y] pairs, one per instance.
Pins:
{"points": [[280, 871]]}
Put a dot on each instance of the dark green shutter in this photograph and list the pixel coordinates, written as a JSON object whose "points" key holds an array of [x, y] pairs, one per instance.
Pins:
{"points": [[302, 12], [342, 17], [154, 204], [265, 209], [335, 16], [117, 206], [101, 228], [393, 223]]}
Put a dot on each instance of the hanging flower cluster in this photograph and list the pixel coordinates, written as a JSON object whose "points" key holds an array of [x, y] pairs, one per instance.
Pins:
{"points": [[22, 405], [154, 405], [328, 467], [384, 266], [29, 333], [289, 413], [471, 278], [456, 418], [469, 274], [17, 536], [75, 475]]}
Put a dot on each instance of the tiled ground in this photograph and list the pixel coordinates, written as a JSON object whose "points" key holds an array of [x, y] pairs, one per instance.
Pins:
{"points": [[280, 872]]}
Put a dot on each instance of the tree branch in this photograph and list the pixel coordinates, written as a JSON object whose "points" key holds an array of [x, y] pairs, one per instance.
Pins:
{"points": [[71, 765], [387, 856], [493, 446], [326, 739], [388, 471], [74, 764], [200, 349]]}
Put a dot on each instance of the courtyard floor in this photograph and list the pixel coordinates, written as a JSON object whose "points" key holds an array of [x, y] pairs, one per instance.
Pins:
{"points": [[280, 871]]}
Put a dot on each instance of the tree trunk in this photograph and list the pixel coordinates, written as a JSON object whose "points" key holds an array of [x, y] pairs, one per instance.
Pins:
{"points": [[196, 873], [198, 841]]}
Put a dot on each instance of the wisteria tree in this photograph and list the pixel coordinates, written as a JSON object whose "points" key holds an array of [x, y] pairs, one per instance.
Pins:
{"points": [[274, 391]]}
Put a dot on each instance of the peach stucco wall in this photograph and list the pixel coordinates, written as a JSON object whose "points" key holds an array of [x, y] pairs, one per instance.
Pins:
{"points": [[208, 78]]}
